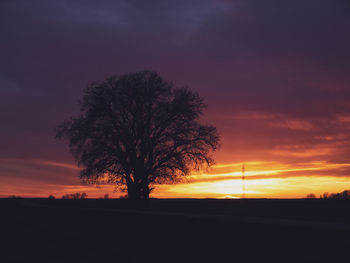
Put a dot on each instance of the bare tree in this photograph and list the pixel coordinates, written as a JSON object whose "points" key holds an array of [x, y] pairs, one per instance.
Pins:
{"points": [[137, 131]]}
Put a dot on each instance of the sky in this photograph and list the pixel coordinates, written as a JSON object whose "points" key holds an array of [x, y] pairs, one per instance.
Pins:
{"points": [[275, 76]]}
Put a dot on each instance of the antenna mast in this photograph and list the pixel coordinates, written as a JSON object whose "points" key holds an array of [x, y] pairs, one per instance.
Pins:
{"points": [[243, 181]]}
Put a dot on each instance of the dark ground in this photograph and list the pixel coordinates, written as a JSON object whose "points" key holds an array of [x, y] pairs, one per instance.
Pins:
{"points": [[257, 230]]}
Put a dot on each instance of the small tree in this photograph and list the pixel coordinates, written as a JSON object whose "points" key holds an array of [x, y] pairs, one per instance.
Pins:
{"points": [[137, 131], [66, 196], [325, 195], [311, 196]]}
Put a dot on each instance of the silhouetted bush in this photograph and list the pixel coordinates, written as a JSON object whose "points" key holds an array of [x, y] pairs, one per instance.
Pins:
{"points": [[14, 196], [324, 195], [342, 195], [75, 196], [311, 196]]}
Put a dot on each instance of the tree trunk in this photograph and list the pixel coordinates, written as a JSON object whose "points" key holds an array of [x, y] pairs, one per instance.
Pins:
{"points": [[138, 195], [145, 194]]}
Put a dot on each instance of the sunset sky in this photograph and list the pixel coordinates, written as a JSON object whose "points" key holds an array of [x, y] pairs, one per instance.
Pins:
{"points": [[275, 76]]}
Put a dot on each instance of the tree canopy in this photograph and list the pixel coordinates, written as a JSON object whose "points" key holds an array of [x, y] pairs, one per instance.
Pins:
{"points": [[136, 131]]}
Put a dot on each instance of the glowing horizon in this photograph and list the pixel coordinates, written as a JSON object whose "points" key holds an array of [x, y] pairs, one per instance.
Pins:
{"points": [[263, 180]]}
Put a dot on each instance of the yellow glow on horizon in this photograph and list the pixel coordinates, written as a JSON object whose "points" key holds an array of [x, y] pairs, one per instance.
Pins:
{"points": [[264, 179], [261, 181], [279, 168], [292, 187]]}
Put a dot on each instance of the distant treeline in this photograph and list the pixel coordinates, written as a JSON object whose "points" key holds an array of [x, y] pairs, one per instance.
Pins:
{"points": [[342, 195], [69, 196], [74, 196], [77, 196]]}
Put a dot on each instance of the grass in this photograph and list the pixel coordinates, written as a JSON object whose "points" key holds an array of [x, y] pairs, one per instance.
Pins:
{"points": [[174, 230]]}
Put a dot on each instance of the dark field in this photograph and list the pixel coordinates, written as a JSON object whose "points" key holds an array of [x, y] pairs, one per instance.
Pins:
{"points": [[42, 230]]}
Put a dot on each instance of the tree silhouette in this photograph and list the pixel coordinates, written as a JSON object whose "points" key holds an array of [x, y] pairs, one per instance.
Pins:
{"points": [[311, 196], [342, 195], [137, 131]]}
